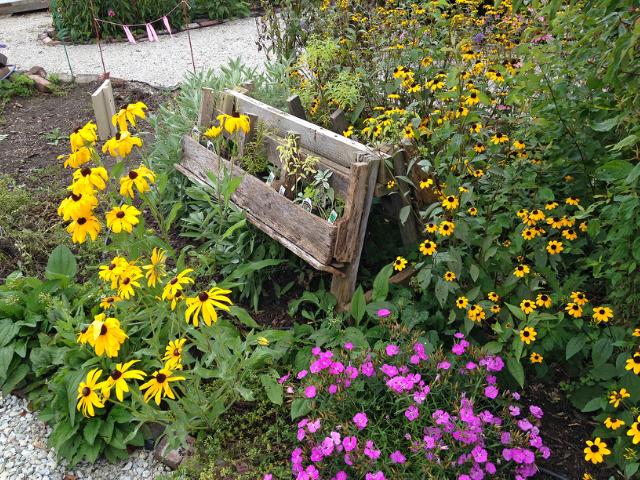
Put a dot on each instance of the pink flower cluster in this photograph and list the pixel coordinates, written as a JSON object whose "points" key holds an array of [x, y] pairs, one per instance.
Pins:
{"points": [[475, 432]]}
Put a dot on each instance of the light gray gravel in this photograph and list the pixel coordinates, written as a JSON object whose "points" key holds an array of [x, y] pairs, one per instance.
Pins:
{"points": [[24, 454], [162, 63]]}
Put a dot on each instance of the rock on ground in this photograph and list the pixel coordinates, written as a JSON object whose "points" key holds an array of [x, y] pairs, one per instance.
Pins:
{"points": [[162, 63], [24, 454]]}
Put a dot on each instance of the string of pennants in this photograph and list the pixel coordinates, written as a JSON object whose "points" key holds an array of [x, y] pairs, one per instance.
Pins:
{"points": [[151, 32]]}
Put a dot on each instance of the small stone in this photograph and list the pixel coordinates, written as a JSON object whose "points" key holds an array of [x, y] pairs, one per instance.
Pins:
{"points": [[47, 40], [42, 84], [37, 70], [209, 23], [193, 25]]}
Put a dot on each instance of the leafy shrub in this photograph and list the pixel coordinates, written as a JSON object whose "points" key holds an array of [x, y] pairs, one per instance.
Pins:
{"points": [[408, 410], [74, 18]]}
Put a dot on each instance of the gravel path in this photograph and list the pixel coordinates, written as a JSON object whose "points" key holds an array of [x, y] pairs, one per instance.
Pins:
{"points": [[162, 63], [24, 454]]}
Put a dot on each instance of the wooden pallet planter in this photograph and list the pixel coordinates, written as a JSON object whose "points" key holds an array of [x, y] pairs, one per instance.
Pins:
{"points": [[334, 248]]}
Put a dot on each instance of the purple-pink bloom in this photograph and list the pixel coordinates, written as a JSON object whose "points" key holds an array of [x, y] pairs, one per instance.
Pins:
{"points": [[360, 419], [301, 374], [514, 411], [444, 365], [314, 426], [412, 413], [341, 475], [479, 454], [348, 346], [310, 391], [384, 312], [392, 350], [536, 411], [375, 476], [367, 369], [505, 438], [333, 388], [491, 392], [284, 378], [371, 451], [350, 443], [398, 457]]}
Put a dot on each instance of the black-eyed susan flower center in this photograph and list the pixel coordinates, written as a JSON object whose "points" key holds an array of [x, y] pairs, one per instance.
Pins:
{"points": [[76, 198], [133, 175], [203, 296], [178, 294], [86, 391], [553, 246], [161, 378], [525, 333], [126, 281], [120, 214], [85, 171], [81, 221], [173, 281], [118, 135], [520, 268], [116, 374], [176, 353], [103, 330], [450, 199], [594, 448], [527, 304], [112, 266], [575, 307], [601, 311], [544, 298], [636, 358]]}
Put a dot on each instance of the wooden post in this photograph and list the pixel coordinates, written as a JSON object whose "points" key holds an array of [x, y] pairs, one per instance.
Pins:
{"points": [[206, 111], [228, 102], [295, 107], [408, 230], [338, 121], [104, 108], [343, 287]]}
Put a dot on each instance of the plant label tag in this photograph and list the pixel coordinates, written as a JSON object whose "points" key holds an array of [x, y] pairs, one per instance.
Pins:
{"points": [[282, 190], [195, 133], [209, 145], [306, 204], [333, 216], [271, 178]]}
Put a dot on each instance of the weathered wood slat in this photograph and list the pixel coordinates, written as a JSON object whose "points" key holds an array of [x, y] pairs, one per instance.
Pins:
{"points": [[104, 107], [308, 236], [343, 287], [205, 113], [317, 139], [19, 6], [339, 122], [349, 224], [295, 107]]}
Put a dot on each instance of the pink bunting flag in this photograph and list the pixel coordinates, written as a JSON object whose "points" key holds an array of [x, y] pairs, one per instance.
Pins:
{"points": [[127, 32], [151, 33], [165, 20]]}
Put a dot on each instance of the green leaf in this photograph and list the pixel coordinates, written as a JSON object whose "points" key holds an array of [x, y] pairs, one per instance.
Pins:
{"points": [[515, 369], [61, 263], [474, 272], [242, 315], [300, 407], [626, 142], [516, 311], [614, 170], [630, 469], [16, 376], [245, 393], [606, 125], [6, 355], [272, 388], [172, 216], [404, 214], [381, 284], [601, 351], [633, 175], [442, 291], [574, 345], [8, 331], [358, 305], [593, 405], [91, 429]]}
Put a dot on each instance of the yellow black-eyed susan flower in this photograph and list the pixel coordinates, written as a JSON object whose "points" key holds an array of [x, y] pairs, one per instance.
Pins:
{"points": [[78, 158], [554, 247], [535, 357], [543, 300], [140, 178], [177, 283], [473, 211], [476, 313], [82, 227], [107, 336], [569, 234], [88, 398], [602, 314], [462, 302], [118, 379], [449, 277], [128, 281], [572, 201], [479, 148], [235, 122], [527, 306], [205, 304], [634, 432], [521, 270], [528, 335], [529, 234], [121, 144], [399, 263], [613, 423], [519, 145], [123, 219], [129, 114], [426, 183], [446, 228], [76, 206], [595, 451], [579, 297], [550, 205], [555, 222], [159, 386], [83, 137], [615, 397], [499, 138], [574, 310], [110, 301], [450, 202], [173, 354], [495, 309], [428, 247], [86, 180], [156, 269]]}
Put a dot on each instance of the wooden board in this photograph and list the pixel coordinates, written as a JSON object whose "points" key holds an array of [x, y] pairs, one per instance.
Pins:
{"points": [[326, 143], [104, 108], [308, 236], [18, 6]]}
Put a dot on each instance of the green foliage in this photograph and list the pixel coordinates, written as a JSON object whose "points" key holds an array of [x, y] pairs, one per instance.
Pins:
{"points": [[249, 441], [17, 85]]}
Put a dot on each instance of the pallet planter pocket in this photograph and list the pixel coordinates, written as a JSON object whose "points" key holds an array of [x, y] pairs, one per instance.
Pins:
{"points": [[333, 248]]}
